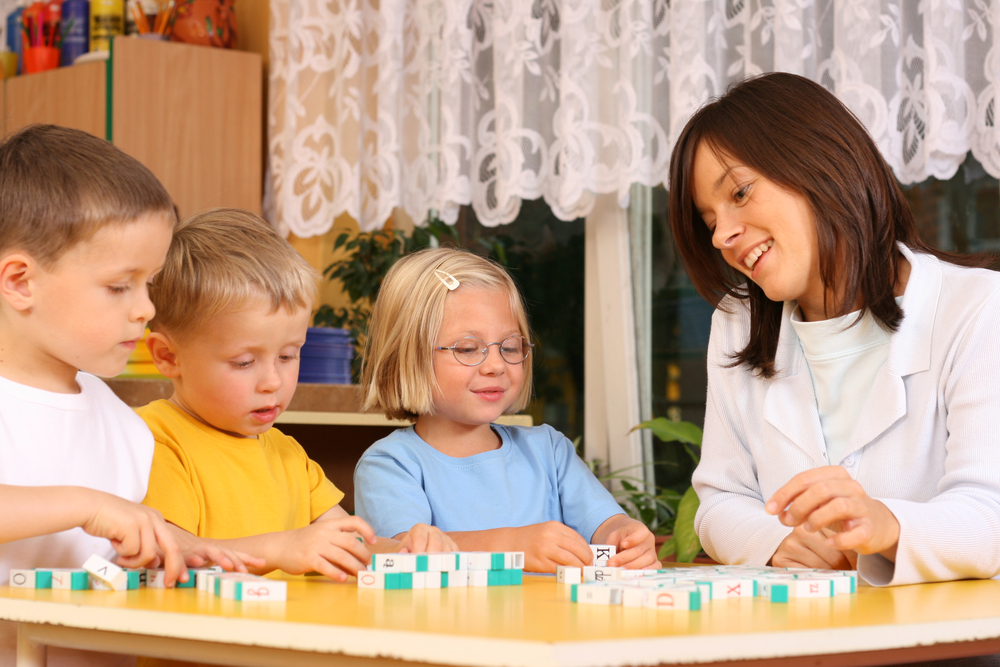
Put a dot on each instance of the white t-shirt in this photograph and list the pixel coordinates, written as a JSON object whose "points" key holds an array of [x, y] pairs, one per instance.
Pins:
{"points": [[843, 359], [89, 439]]}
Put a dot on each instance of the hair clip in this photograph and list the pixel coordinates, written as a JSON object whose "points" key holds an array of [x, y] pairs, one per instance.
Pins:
{"points": [[448, 280]]}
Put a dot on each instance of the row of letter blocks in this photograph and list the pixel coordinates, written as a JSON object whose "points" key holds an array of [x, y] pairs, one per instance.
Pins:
{"points": [[101, 574], [690, 588], [453, 561], [383, 579]]}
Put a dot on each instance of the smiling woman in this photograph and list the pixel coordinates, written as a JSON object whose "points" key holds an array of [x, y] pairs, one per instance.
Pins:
{"points": [[848, 412]]}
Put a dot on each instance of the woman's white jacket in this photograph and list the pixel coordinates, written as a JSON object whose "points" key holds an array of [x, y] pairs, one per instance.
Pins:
{"points": [[927, 443]]}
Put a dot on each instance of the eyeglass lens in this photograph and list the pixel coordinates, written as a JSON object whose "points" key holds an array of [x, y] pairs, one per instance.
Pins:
{"points": [[472, 351]]}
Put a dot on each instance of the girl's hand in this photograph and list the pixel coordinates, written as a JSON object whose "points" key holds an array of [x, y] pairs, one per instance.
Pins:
{"points": [[811, 550], [829, 503], [426, 539], [634, 542], [549, 544]]}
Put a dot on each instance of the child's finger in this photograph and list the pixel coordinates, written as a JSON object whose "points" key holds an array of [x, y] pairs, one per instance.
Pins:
{"points": [[173, 562], [343, 560], [358, 525]]}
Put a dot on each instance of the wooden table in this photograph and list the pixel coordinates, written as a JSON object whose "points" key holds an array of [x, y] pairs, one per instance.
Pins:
{"points": [[534, 625]]}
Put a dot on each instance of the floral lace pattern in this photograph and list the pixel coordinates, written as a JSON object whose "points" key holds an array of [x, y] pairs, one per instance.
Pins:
{"points": [[430, 105]]}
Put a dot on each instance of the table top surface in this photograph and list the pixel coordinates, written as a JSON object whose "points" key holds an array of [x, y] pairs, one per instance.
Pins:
{"points": [[534, 625]]}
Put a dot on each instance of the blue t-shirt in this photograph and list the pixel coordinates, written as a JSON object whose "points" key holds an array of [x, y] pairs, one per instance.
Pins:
{"points": [[535, 476]]}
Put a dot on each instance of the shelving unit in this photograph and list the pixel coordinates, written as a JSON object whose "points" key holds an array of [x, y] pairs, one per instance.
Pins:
{"points": [[192, 114]]}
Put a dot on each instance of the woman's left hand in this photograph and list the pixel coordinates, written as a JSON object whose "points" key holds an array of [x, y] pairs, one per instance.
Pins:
{"points": [[828, 499]]}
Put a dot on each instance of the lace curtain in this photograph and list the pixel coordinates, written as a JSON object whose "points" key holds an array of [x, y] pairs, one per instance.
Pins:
{"points": [[427, 105]]}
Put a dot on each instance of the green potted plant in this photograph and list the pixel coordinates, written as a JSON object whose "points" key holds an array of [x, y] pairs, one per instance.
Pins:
{"points": [[667, 513]]}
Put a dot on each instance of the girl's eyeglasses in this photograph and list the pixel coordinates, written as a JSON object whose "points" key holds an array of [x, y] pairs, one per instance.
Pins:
{"points": [[472, 351]]}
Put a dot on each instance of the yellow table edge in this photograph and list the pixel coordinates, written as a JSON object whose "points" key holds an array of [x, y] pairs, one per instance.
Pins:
{"points": [[479, 651]]}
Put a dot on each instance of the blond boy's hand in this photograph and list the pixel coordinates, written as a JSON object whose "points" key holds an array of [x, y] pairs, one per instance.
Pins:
{"points": [[198, 552], [329, 547], [423, 538], [634, 541]]}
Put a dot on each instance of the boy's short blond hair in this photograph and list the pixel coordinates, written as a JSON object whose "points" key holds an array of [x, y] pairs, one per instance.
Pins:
{"points": [[221, 260], [397, 375], [60, 186]]}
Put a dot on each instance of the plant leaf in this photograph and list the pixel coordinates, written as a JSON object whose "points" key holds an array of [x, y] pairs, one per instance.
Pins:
{"points": [[668, 548], [670, 431], [688, 544]]}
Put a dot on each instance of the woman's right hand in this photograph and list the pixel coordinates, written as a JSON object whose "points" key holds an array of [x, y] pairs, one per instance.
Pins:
{"points": [[804, 549]]}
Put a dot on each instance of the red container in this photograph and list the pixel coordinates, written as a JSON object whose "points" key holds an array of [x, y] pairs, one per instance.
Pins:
{"points": [[40, 58]]}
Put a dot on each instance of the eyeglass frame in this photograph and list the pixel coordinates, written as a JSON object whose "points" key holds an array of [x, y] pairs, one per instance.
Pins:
{"points": [[487, 348]]}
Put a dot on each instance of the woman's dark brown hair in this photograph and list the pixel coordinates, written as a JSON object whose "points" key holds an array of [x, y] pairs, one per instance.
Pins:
{"points": [[797, 134]]}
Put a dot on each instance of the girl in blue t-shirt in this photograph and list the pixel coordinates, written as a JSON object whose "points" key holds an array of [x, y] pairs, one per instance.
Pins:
{"points": [[449, 350]]}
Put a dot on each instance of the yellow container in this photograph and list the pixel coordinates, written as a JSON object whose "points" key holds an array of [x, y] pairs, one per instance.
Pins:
{"points": [[107, 19], [140, 362]]}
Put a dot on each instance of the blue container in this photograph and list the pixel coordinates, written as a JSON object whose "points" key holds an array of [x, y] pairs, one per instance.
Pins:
{"points": [[14, 35], [326, 356], [76, 30]]}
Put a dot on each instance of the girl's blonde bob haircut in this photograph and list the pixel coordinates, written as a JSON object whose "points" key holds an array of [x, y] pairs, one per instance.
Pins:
{"points": [[397, 376]]}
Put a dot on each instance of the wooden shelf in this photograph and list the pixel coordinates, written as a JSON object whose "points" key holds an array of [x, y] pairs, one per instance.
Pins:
{"points": [[191, 114]]}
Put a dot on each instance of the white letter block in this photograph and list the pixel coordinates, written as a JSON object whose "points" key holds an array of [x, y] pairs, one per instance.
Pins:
{"points": [[602, 552], [22, 578], [107, 573], [395, 562], [371, 579], [569, 575], [156, 578], [442, 562], [260, 589], [419, 580], [622, 573], [513, 560], [477, 560], [679, 598], [599, 595], [591, 574], [633, 597], [458, 579], [478, 577], [431, 579]]}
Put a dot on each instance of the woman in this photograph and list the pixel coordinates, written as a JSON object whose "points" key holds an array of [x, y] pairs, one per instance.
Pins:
{"points": [[851, 369]]}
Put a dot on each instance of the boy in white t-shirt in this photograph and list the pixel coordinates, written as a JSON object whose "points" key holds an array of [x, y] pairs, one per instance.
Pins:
{"points": [[83, 228]]}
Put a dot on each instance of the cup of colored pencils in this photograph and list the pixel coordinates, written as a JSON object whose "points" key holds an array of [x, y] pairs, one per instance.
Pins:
{"points": [[163, 23], [41, 39]]}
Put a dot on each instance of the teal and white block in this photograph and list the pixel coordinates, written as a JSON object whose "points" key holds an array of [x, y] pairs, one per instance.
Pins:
{"points": [[726, 587], [783, 591], [596, 594], [592, 574], [395, 562], [107, 573], [374, 579], [601, 553], [569, 575], [477, 560], [634, 597], [673, 598], [75, 579], [25, 579], [156, 578], [458, 579], [513, 560]]}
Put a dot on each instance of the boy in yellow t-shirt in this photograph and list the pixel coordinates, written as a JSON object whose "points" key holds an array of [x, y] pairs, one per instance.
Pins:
{"points": [[233, 304]]}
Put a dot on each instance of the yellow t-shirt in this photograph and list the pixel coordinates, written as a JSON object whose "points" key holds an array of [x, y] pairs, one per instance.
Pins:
{"points": [[216, 485]]}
